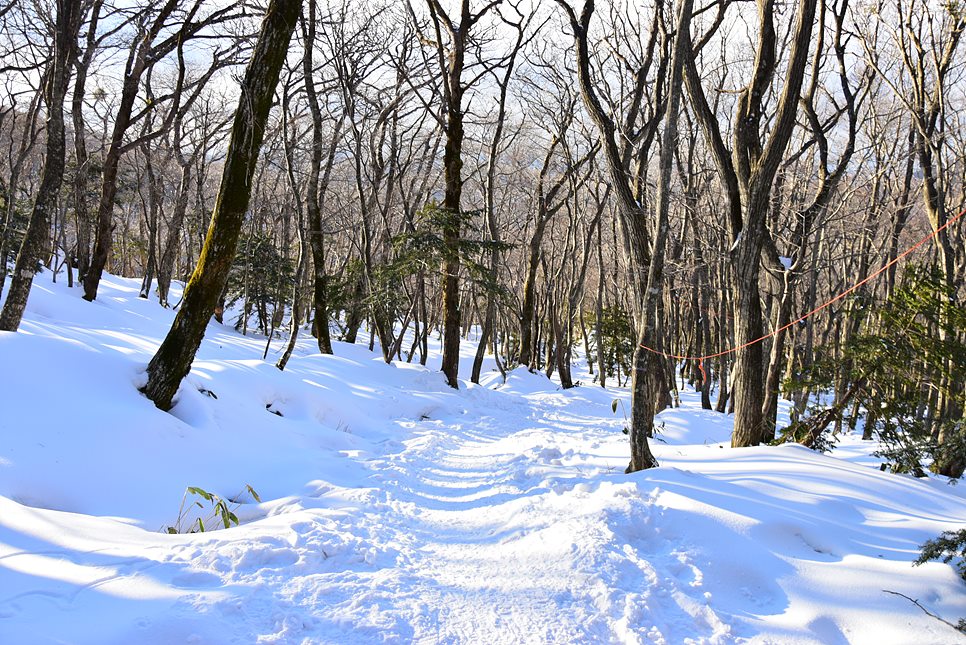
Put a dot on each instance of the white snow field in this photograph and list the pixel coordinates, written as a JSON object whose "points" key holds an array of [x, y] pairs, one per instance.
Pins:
{"points": [[397, 510]]}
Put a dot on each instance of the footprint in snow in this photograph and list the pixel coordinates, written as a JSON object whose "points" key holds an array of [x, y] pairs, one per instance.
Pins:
{"points": [[196, 580]]}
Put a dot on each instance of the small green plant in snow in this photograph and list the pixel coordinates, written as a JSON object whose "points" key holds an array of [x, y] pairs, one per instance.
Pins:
{"points": [[219, 515]]}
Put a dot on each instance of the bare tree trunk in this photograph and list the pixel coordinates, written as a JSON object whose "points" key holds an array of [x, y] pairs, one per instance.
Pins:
{"points": [[32, 249], [296, 321], [154, 204], [775, 360], [747, 173], [598, 332], [313, 198], [489, 321], [143, 55], [81, 156], [173, 238], [647, 264], [452, 63], [138, 61], [647, 364]]}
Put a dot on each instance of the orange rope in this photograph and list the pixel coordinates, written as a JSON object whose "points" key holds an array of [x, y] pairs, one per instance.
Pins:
{"points": [[822, 306]]}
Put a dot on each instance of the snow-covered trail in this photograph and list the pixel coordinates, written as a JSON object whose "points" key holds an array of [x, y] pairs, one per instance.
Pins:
{"points": [[473, 531], [398, 510], [508, 521], [504, 552], [516, 525], [480, 531], [476, 528]]}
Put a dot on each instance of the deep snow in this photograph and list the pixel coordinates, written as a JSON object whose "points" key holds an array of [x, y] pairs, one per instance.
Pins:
{"points": [[397, 510]]}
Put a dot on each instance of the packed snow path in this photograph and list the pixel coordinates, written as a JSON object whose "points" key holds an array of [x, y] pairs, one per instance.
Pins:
{"points": [[474, 531], [494, 548], [397, 510]]}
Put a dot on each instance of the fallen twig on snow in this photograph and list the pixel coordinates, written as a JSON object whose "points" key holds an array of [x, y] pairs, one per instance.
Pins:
{"points": [[961, 627]]}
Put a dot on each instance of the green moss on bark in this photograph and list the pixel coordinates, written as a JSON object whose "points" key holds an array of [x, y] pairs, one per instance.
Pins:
{"points": [[173, 360]]}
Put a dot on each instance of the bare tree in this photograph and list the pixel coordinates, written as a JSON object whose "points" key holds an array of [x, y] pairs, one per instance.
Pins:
{"points": [[647, 250], [65, 27], [151, 45], [452, 40], [490, 207], [747, 172]]}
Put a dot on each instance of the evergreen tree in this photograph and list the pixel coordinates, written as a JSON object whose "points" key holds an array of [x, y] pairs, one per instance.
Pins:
{"points": [[617, 340], [259, 276], [892, 372]]}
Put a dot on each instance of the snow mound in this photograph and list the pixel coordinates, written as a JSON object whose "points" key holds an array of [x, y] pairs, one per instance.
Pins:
{"points": [[394, 509]]}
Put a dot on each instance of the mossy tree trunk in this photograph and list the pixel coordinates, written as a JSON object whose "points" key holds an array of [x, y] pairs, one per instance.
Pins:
{"points": [[173, 360]]}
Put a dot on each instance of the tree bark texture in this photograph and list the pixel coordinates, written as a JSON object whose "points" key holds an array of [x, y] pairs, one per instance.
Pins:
{"points": [[34, 243], [173, 360]]}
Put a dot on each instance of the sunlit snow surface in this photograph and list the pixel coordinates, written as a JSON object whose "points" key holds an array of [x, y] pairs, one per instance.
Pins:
{"points": [[397, 510]]}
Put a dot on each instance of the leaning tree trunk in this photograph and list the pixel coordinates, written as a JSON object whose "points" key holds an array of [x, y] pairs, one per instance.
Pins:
{"points": [[296, 321], [35, 239], [104, 225], [142, 55], [173, 360], [489, 321]]}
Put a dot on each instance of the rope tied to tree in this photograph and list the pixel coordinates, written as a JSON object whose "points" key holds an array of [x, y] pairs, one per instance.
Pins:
{"points": [[885, 267]]}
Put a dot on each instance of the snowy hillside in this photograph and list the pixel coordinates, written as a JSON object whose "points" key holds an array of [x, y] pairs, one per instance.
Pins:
{"points": [[397, 510]]}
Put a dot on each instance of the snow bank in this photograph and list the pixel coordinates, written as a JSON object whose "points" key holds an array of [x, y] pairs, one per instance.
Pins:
{"points": [[395, 509]]}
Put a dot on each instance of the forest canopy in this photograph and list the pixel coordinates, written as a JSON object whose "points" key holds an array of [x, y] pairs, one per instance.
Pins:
{"points": [[634, 182]]}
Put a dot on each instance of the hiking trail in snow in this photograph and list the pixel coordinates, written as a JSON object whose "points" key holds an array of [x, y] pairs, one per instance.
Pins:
{"points": [[398, 510]]}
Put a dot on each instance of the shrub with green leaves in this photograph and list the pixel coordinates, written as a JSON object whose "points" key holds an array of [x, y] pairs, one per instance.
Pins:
{"points": [[617, 337], [217, 514], [260, 276], [892, 372]]}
